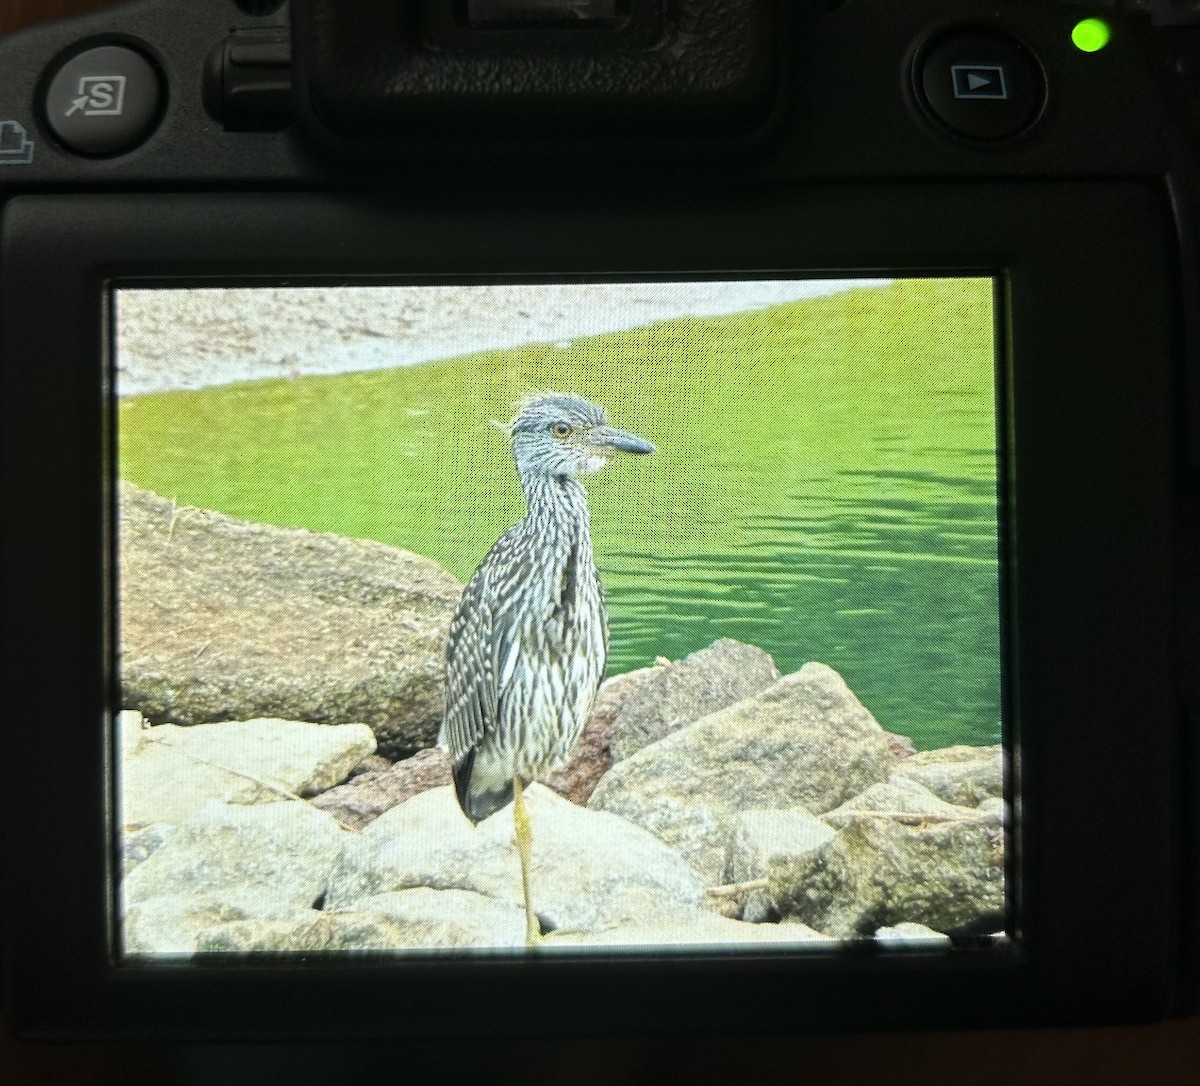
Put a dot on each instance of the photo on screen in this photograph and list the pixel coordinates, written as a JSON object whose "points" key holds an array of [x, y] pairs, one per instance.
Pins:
{"points": [[558, 617]]}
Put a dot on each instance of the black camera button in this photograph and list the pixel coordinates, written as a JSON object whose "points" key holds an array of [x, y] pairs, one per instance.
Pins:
{"points": [[104, 101], [982, 85]]}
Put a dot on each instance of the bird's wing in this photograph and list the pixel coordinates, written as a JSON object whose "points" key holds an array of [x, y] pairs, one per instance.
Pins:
{"points": [[470, 689], [485, 643], [520, 606]]}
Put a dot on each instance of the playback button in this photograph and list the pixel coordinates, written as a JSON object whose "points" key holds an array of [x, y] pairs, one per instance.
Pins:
{"points": [[104, 101], [983, 85]]}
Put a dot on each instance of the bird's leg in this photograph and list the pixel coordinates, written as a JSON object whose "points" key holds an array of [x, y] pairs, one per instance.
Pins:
{"points": [[524, 835]]}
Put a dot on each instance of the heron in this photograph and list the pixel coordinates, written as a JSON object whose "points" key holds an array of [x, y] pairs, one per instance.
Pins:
{"points": [[528, 643]]}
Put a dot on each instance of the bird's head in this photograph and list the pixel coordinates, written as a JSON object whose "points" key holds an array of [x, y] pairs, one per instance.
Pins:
{"points": [[561, 434]]}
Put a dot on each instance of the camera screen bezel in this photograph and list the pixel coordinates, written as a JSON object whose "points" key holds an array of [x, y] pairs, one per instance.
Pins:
{"points": [[1087, 338]]}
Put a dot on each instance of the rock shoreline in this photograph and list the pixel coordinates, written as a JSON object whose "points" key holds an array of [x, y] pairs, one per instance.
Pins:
{"points": [[710, 801]]}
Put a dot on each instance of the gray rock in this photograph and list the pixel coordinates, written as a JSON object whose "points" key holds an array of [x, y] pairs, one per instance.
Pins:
{"points": [[900, 745], [171, 926], [410, 920], [994, 806], [338, 932], [260, 861], [911, 935], [169, 774], [160, 785], [372, 763], [129, 725], [694, 687], [223, 619], [962, 775], [944, 872], [490, 922], [401, 849], [896, 797], [759, 841], [364, 798], [590, 870], [696, 930], [806, 741], [139, 845]]}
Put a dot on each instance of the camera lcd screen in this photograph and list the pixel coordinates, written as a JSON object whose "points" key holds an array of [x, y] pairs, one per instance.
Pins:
{"points": [[736, 626]]}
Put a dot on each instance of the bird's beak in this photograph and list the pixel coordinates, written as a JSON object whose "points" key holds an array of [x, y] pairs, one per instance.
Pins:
{"points": [[608, 440]]}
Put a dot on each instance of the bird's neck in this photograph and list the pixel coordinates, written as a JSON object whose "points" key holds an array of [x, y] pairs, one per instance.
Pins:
{"points": [[556, 505]]}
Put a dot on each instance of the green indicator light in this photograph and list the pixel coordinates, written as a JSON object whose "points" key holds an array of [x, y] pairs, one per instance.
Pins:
{"points": [[1091, 35]]}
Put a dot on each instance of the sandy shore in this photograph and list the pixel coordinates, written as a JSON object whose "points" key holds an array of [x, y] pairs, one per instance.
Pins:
{"points": [[178, 339]]}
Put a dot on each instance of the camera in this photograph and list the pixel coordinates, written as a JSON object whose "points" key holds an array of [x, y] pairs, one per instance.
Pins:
{"points": [[600, 516]]}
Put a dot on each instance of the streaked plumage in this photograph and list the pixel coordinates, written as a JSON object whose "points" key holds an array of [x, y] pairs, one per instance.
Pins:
{"points": [[529, 641]]}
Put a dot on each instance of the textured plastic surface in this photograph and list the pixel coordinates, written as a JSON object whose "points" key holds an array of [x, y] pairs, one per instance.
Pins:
{"points": [[704, 69], [1088, 287], [1089, 219]]}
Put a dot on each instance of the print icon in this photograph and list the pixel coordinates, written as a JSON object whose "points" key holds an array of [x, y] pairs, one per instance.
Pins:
{"points": [[16, 148], [99, 96]]}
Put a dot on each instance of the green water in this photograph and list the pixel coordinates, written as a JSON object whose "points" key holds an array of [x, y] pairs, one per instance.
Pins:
{"points": [[824, 485]]}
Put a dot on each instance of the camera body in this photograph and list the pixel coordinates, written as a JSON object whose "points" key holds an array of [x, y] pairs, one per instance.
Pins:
{"points": [[309, 99], [245, 144]]}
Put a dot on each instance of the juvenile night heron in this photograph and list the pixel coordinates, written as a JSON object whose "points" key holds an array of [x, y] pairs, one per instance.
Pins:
{"points": [[529, 641]]}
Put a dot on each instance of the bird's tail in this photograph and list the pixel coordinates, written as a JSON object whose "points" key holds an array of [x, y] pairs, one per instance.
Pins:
{"points": [[480, 793]]}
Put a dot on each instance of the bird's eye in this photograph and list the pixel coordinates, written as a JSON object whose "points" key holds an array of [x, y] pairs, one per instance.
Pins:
{"points": [[560, 429]]}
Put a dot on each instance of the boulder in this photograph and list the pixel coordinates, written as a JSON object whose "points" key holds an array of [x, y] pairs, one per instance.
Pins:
{"points": [[365, 797], [460, 920], [590, 870], [372, 763], [943, 871], [894, 798], [696, 686], [340, 932], [962, 775], [760, 840], [139, 845], [224, 619], [805, 741], [591, 756], [911, 935], [169, 773], [472, 918], [172, 925], [699, 930], [994, 806], [229, 863], [129, 726], [900, 745]]}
